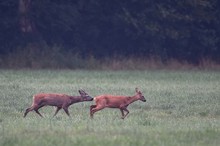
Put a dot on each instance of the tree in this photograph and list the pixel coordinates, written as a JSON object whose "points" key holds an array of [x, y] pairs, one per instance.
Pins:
{"points": [[183, 30]]}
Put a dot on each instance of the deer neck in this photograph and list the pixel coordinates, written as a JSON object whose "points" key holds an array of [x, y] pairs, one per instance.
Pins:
{"points": [[132, 99], [75, 99]]}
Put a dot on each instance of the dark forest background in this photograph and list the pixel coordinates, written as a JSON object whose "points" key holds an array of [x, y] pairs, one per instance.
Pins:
{"points": [[34, 32]]}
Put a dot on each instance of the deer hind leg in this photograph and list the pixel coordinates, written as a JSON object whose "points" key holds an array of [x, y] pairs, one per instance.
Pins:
{"points": [[28, 110], [37, 108], [92, 107], [95, 109], [33, 107]]}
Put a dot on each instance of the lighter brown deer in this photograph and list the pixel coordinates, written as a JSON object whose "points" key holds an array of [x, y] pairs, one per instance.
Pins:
{"points": [[111, 101], [57, 100]]}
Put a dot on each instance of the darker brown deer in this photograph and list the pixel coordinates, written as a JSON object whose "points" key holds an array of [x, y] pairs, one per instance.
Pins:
{"points": [[57, 100], [120, 102]]}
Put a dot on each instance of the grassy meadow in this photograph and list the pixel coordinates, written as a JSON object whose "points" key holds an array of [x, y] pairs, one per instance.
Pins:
{"points": [[182, 108]]}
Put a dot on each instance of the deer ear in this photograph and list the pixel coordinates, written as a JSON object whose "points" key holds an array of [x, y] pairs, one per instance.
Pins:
{"points": [[80, 91], [136, 89]]}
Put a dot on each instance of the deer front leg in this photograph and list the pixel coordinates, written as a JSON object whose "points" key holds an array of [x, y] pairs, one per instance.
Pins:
{"points": [[58, 108], [124, 108], [122, 113], [126, 113]]}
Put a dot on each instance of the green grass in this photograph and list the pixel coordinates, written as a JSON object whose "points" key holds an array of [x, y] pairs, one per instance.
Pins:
{"points": [[182, 108]]}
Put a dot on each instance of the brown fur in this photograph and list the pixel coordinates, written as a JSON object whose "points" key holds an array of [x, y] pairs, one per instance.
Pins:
{"points": [[57, 100], [111, 101]]}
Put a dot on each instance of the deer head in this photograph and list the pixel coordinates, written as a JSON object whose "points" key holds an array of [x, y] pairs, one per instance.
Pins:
{"points": [[85, 96], [140, 95]]}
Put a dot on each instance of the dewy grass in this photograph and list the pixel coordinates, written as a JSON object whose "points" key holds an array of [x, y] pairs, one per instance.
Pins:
{"points": [[182, 108]]}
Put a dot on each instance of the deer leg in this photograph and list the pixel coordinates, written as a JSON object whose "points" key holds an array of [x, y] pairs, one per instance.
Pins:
{"points": [[91, 108], [36, 110], [33, 107], [122, 113], [95, 110], [58, 108], [66, 110], [28, 110], [125, 109]]}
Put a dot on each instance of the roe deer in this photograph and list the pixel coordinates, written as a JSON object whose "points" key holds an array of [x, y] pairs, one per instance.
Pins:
{"points": [[57, 100], [120, 102]]}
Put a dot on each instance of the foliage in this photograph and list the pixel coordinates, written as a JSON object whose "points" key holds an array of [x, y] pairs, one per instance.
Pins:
{"points": [[183, 30]]}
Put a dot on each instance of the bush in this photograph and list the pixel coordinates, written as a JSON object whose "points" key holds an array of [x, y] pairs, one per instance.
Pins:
{"points": [[35, 57]]}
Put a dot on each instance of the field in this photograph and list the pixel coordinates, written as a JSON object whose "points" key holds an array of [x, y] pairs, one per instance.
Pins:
{"points": [[182, 108]]}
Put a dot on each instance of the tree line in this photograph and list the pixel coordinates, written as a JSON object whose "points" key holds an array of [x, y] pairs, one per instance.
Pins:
{"points": [[172, 29]]}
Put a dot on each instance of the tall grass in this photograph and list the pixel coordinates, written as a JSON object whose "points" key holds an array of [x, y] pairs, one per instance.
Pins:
{"points": [[182, 108], [36, 57]]}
